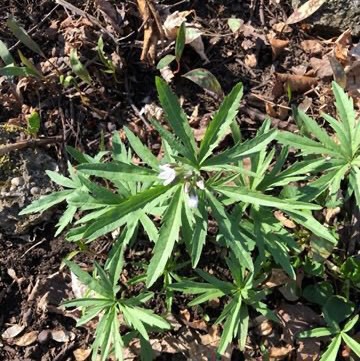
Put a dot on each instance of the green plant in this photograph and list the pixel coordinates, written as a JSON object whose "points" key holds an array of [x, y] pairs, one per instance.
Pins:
{"points": [[335, 310], [171, 197], [105, 302], [242, 293], [340, 154]]}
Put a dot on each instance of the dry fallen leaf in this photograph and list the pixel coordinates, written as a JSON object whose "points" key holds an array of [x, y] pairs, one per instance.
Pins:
{"points": [[297, 83], [153, 30], [288, 223], [82, 354], [277, 46], [312, 46], [250, 60], [62, 335], [279, 353], [322, 67], [277, 278], [282, 28], [304, 11], [27, 339], [342, 45], [265, 328], [12, 331]]}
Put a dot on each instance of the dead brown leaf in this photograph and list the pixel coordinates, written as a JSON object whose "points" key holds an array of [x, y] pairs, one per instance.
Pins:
{"points": [[282, 28], [297, 83], [342, 45], [279, 353], [250, 60], [110, 14], [304, 11], [153, 30], [12, 331], [27, 339], [312, 46], [288, 223], [277, 278], [82, 354], [322, 67], [277, 46]]}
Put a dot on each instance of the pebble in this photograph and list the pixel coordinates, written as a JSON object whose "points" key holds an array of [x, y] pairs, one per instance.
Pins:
{"points": [[35, 191], [17, 181]]}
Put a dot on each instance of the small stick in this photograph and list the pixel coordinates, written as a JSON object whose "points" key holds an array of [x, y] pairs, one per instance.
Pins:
{"points": [[29, 143]]}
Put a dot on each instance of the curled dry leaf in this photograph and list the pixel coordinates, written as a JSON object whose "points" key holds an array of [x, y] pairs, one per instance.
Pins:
{"points": [[288, 223], [297, 83], [250, 60], [342, 45], [277, 46], [304, 11], [27, 339], [12, 331], [153, 30], [265, 328]]}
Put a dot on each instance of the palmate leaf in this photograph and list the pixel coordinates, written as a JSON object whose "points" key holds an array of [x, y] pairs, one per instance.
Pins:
{"points": [[176, 118], [168, 235], [93, 284], [221, 122]]}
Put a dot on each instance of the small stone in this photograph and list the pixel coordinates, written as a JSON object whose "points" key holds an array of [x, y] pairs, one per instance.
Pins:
{"points": [[35, 191], [44, 336], [17, 181]]}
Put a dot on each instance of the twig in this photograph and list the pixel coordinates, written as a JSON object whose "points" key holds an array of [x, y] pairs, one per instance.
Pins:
{"points": [[29, 143]]}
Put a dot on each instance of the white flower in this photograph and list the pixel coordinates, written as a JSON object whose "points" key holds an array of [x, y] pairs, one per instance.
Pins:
{"points": [[167, 174], [193, 200]]}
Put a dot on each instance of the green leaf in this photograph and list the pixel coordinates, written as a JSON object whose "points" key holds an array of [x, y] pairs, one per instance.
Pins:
{"points": [[351, 269], [65, 219], [176, 118], [243, 194], [315, 332], [78, 68], [317, 131], [168, 235], [165, 61], [243, 326], [351, 323], [230, 232], [89, 281], [148, 317], [143, 152], [280, 254], [221, 122], [331, 352], [307, 145], [229, 326], [114, 217], [60, 179], [318, 293], [30, 66], [5, 54], [23, 36], [354, 345], [206, 80], [337, 309], [118, 171], [345, 107], [33, 123], [46, 202], [241, 150], [180, 42], [235, 24], [308, 221], [12, 70]]}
